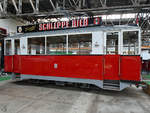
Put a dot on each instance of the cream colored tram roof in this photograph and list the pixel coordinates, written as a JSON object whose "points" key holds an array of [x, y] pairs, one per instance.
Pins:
{"points": [[76, 30]]}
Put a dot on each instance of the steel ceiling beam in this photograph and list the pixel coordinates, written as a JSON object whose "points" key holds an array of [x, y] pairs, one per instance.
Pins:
{"points": [[33, 7], [135, 2], [15, 5], [37, 5], [1, 8], [69, 7], [54, 8], [5, 6], [20, 7], [103, 3]]}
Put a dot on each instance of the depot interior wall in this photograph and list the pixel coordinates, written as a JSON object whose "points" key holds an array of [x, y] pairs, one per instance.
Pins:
{"points": [[10, 25]]}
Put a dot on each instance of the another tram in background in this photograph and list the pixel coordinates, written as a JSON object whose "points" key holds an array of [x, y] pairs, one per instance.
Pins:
{"points": [[80, 51]]}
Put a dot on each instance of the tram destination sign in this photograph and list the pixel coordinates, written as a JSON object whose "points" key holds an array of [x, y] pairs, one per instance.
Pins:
{"points": [[75, 23]]}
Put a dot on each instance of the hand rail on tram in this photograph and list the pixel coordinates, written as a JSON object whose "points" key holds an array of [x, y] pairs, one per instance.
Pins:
{"points": [[127, 50]]}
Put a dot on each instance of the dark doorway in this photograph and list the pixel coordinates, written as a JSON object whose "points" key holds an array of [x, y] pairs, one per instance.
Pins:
{"points": [[3, 33]]}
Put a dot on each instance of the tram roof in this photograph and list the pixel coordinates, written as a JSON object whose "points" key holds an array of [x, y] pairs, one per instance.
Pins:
{"points": [[76, 30]]}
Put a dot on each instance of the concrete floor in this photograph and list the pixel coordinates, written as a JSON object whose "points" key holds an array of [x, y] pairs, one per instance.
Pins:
{"points": [[24, 97]]}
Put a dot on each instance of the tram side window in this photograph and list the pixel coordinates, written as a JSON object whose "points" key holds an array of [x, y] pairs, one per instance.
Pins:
{"points": [[130, 43], [17, 46], [80, 44], [112, 43], [8, 47], [36, 46], [56, 45]]}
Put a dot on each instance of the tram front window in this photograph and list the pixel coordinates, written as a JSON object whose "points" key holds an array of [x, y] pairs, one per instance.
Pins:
{"points": [[80, 44], [112, 43], [8, 47], [17, 46], [130, 43], [56, 45], [36, 45]]}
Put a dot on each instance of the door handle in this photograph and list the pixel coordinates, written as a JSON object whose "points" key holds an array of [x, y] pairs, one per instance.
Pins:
{"points": [[55, 66], [103, 65]]}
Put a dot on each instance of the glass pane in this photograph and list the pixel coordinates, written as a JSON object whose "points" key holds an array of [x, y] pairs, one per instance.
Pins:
{"points": [[130, 42], [80, 44], [17, 46], [112, 43], [56, 45], [8, 47], [36, 45]]}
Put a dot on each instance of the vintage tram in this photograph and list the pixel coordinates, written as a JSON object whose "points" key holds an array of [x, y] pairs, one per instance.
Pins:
{"points": [[105, 56]]}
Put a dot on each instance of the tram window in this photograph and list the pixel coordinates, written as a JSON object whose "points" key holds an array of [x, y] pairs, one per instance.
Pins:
{"points": [[130, 42], [56, 45], [17, 46], [112, 43], [8, 47], [36, 45], [80, 44]]}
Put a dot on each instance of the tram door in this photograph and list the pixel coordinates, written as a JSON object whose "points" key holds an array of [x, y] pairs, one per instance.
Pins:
{"points": [[112, 42], [111, 59]]}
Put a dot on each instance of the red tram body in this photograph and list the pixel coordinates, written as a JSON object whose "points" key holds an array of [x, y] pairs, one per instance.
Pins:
{"points": [[108, 57]]}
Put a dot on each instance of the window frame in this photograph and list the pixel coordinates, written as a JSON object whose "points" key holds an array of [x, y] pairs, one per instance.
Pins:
{"points": [[139, 40], [40, 36], [119, 40], [87, 33], [67, 38], [19, 46], [12, 53], [50, 35], [56, 36]]}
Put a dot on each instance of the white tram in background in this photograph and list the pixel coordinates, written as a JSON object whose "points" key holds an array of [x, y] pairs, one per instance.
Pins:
{"points": [[108, 57]]}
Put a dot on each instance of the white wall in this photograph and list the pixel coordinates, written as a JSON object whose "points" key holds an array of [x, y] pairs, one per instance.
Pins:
{"points": [[97, 42], [10, 25], [23, 45]]}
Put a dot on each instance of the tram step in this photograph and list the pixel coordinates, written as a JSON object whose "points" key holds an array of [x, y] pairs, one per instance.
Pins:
{"points": [[111, 81], [111, 88], [111, 84]]}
